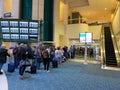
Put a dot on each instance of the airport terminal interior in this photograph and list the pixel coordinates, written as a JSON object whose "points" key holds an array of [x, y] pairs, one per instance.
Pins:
{"points": [[59, 44]]}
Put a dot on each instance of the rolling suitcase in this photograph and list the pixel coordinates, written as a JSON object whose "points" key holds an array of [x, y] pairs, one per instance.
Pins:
{"points": [[11, 67], [33, 69], [55, 64]]}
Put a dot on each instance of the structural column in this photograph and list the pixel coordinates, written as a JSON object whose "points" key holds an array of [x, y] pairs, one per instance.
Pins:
{"points": [[48, 20]]}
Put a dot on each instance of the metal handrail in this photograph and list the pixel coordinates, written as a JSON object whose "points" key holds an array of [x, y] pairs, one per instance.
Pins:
{"points": [[114, 39], [103, 56]]}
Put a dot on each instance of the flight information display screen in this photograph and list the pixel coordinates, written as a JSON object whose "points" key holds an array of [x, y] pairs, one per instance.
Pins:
{"points": [[14, 23], [5, 30], [14, 30], [17, 30], [33, 31], [33, 24], [85, 37], [4, 23], [14, 36]]}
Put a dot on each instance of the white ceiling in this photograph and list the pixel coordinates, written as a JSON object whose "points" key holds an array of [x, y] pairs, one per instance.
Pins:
{"points": [[93, 10]]}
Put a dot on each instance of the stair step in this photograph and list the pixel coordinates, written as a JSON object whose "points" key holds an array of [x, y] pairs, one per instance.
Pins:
{"points": [[109, 49]]}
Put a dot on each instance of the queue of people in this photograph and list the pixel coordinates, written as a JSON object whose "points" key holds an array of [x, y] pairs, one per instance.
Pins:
{"points": [[28, 56]]}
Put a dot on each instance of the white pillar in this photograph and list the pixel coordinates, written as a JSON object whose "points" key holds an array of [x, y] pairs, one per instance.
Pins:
{"points": [[97, 53], [1, 8], [15, 8], [85, 55], [37, 9]]}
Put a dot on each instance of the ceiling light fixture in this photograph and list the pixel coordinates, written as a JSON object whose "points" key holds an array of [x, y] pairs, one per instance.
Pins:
{"points": [[105, 9]]}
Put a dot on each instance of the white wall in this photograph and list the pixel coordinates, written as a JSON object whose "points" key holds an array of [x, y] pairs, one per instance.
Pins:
{"points": [[116, 27], [73, 30], [1, 8], [59, 27], [96, 30], [15, 8], [116, 22], [38, 9], [70, 31]]}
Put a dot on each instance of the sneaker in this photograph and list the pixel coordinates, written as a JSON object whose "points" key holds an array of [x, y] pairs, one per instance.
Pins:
{"points": [[1, 72], [45, 70], [48, 70], [21, 77]]}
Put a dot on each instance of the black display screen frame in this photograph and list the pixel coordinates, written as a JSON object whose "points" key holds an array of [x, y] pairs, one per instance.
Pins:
{"points": [[15, 26]]}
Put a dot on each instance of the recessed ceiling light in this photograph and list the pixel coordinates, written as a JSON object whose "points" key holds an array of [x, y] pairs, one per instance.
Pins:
{"points": [[105, 9]]}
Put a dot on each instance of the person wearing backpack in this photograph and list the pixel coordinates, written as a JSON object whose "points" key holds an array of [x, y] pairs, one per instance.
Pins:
{"points": [[46, 60]]}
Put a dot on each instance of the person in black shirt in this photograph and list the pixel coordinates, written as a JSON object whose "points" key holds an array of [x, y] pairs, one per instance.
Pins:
{"points": [[3, 55], [46, 60]]}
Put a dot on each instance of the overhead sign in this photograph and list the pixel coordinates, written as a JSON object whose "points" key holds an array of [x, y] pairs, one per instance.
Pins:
{"points": [[7, 14], [85, 37]]}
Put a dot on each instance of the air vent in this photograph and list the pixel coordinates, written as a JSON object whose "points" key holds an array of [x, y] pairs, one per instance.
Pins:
{"points": [[77, 3]]}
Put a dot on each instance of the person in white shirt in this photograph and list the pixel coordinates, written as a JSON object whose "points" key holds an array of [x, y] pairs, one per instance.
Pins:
{"points": [[58, 55]]}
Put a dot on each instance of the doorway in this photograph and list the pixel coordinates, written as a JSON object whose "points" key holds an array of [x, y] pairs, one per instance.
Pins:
{"points": [[93, 50]]}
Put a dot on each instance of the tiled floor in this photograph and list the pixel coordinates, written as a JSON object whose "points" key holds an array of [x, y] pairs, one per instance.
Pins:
{"points": [[73, 75]]}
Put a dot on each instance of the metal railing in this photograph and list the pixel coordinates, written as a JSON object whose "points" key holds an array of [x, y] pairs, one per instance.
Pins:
{"points": [[103, 56], [114, 39], [76, 20]]}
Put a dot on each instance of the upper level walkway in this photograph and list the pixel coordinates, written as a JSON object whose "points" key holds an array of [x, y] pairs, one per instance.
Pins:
{"points": [[73, 75]]}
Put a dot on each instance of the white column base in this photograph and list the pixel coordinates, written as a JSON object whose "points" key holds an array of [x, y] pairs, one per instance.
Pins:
{"points": [[85, 63], [102, 67]]}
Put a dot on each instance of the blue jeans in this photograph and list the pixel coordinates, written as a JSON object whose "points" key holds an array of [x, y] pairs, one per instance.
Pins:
{"points": [[16, 61], [1, 65], [38, 62], [59, 59], [22, 69], [46, 64]]}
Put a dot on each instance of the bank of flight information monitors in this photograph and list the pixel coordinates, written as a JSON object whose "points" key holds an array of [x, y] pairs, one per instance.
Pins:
{"points": [[19, 30]]}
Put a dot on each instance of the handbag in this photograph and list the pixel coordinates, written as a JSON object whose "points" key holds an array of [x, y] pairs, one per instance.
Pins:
{"points": [[25, 62]]}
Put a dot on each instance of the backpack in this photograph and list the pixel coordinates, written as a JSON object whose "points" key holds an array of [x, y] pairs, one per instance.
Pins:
{"points": [[45, 54]]}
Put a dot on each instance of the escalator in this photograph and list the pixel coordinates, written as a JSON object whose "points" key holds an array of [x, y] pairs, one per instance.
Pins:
{"points": [[110, 57]]}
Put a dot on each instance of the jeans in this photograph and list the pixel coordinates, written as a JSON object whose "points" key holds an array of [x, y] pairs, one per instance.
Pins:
{"points": [[46, 64], [16, 61], [38, 62], [1, 65], [59, 59], [22, 69]]}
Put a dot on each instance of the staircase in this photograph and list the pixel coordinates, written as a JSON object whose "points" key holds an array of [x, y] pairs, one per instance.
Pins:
{"points": [[109, 49]]}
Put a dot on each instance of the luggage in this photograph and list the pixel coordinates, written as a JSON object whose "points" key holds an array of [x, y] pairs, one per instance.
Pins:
{"points": [[55, 64], [33, 69], [24, 63], [63, 58], [11, 67]]}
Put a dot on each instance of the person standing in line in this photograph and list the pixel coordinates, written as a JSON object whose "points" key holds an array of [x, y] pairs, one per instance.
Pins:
{"points": [[40, 45], [58, 55], [38, 58], [3, 56], [71, 52], [15, 54], [46, 60], [22, 54]]}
